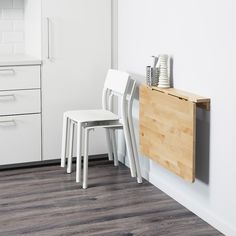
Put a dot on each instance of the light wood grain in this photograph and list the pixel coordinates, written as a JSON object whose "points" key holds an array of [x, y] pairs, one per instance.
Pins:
{"points": [[167, 131], [200, 101], [182, 94]]}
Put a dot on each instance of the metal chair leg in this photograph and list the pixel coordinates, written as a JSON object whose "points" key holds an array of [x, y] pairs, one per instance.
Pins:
{"points": [[129, 149], [135, 152], [78, 156], [86, 143], [109, 145], [113, 140], [132, 135], [69, 164], [64, 141]]}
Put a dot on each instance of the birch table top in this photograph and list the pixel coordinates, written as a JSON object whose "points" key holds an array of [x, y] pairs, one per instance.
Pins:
{"points": [[168, 128]]}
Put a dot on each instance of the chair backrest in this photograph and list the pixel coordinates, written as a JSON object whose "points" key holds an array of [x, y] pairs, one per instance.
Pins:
{"points": [[121, 85], [116, 82]]}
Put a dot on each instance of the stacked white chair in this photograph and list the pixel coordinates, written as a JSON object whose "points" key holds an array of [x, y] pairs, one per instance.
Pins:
{"points": [[118, 84]]}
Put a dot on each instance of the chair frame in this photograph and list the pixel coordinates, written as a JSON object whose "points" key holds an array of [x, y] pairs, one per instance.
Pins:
{"points": [[124, 123]]}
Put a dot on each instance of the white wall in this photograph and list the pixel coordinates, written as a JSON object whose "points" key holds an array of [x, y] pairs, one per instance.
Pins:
{"points": [[33, 19], [11, 27], [201, 37]]}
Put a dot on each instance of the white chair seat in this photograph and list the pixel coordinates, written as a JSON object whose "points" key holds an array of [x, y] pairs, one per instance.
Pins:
{"points": [[91, 115]]}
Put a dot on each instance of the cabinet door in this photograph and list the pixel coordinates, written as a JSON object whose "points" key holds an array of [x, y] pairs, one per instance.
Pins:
{"points": [[20, 139], [76, 57]]}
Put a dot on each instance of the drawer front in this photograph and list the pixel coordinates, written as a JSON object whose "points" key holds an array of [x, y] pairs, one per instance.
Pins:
{"points": [[19, 102], [20, 139], [19, 77]]}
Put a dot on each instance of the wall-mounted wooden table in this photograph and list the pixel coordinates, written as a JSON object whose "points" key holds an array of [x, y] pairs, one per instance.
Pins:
{"points": [[168, 128]]}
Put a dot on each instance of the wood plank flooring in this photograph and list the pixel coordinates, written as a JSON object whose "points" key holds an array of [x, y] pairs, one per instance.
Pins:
{"points": [[47, 201]]}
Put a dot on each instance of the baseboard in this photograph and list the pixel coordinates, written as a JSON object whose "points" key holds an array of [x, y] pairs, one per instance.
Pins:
{"points": [[48, 162], [196, 208]]}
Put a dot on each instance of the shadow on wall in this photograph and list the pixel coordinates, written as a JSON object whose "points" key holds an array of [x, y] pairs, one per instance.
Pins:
{"points": [[202, 133], [203, 145]]}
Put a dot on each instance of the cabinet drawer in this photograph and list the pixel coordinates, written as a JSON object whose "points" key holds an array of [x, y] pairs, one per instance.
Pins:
{"points": [[20, 139], [19, 77], [19, 102]]}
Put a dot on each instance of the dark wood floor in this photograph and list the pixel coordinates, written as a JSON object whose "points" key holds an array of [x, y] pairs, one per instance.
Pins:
{"points": [[47, 201]]}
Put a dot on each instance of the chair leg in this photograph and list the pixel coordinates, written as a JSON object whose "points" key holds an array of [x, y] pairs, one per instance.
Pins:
{"points": [[69, 164], [109, 146], [85, 173], [113, 140], [79, 147], [129, 149], [135, 152], [64, 141]]}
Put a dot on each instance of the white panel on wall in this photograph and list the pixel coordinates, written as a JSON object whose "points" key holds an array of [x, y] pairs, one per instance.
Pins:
{"points": [[33, 20], [201, 36], [11, 27]]}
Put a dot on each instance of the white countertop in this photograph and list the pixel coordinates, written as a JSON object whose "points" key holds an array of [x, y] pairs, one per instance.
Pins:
{"points": [[19, 60]]}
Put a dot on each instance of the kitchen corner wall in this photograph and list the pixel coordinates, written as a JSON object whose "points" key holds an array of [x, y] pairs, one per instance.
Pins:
{"points": [[201, 36], [11, 27]]}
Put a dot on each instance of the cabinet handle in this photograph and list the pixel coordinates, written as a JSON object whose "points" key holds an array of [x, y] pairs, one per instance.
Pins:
{"points": [[7, 71], [48, 39], [6, 123], [4, 96]]}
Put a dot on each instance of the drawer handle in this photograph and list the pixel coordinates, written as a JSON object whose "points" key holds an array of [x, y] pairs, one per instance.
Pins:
{"points": [[4, 97], [6, 123], [7, 71]]}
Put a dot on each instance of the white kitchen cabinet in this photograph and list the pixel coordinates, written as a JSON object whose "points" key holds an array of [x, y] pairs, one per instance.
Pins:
{"points": [[20, 138], [76, 44], [73, 39], [20, 111], [19, 77], [20, 102]]}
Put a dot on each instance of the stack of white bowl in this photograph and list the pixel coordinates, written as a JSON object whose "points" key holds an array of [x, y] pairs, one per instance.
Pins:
{"points": [[164, 80]]}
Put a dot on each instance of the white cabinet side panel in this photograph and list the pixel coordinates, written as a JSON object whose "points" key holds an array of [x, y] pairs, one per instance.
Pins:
{"points": [[79, 47]]}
